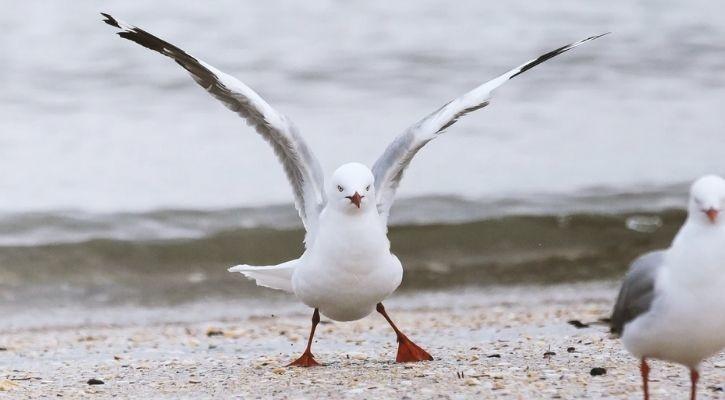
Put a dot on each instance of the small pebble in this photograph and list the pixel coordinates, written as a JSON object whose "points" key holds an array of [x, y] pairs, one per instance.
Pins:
{"points": [[596, 371], [577, 324], [7, 385], [356, 355], [214, 332], [472, 382], [94, 381]]}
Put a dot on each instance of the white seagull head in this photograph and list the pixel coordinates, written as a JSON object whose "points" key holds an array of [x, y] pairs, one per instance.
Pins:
{"points": [[707, 198], [351, 188]]}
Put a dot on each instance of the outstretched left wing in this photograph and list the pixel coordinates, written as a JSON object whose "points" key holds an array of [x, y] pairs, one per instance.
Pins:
{"points": [[389, 168], [302, 168]]}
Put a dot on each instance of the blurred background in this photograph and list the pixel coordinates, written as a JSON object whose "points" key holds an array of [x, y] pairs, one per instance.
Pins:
{"points": [[124, 184]]}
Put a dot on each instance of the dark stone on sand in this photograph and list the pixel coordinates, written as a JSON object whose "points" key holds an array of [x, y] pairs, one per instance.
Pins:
{"points": [[577, 324], [570, 349], [494, 356], [549, 354], [596, 371], [94, 381]]}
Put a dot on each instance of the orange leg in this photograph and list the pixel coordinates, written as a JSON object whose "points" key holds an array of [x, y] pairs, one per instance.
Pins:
{"points": [[306, 359], [694, 377], [644, 369], [407, 350]]}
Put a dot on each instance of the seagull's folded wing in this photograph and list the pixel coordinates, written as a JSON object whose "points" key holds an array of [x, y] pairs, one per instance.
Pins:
{"points": [[637, 292], [302, 168], [389, 168]]}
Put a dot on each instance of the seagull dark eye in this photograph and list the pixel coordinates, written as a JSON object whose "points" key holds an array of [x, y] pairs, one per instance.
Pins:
{"points": [[339, 188], [367, 189]]}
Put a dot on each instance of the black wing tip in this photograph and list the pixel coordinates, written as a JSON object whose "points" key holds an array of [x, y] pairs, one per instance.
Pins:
{"points": [[151, 42], [107, 18], [594, 37], [137, 35], [547, 56]]}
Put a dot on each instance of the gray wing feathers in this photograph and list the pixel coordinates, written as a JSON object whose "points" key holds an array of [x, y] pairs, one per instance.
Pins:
{"points": [[389, 168], [301, 167], [637, 291]]}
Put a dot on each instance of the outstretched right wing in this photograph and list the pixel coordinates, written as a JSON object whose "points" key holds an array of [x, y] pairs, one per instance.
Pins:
{"points": [[302, 168], [637, 292]]}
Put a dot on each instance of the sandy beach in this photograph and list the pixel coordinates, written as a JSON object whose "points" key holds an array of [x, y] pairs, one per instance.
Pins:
{"points": [[488, 343]]}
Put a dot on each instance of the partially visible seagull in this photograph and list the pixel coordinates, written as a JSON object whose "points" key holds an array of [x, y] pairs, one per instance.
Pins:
{"points": [[672, 303], [347, 269]]}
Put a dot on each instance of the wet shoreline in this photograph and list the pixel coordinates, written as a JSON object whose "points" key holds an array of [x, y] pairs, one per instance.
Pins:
{"points": [[507, 250]]}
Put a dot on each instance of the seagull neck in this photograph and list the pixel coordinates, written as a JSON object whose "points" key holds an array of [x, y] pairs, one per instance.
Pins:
{"points": [[694, 231], [353, 213], [697, 251]]}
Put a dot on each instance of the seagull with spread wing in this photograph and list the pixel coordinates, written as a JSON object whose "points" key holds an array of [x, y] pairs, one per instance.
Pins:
{"points": [[347, 269]]}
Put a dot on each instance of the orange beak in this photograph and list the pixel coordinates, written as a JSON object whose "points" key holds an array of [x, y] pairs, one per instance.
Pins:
{"points": [[712, 214], [355, 199]]}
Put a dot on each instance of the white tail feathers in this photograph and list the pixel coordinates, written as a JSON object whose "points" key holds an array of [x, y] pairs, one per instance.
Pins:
{"points": [[272, 276]]}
